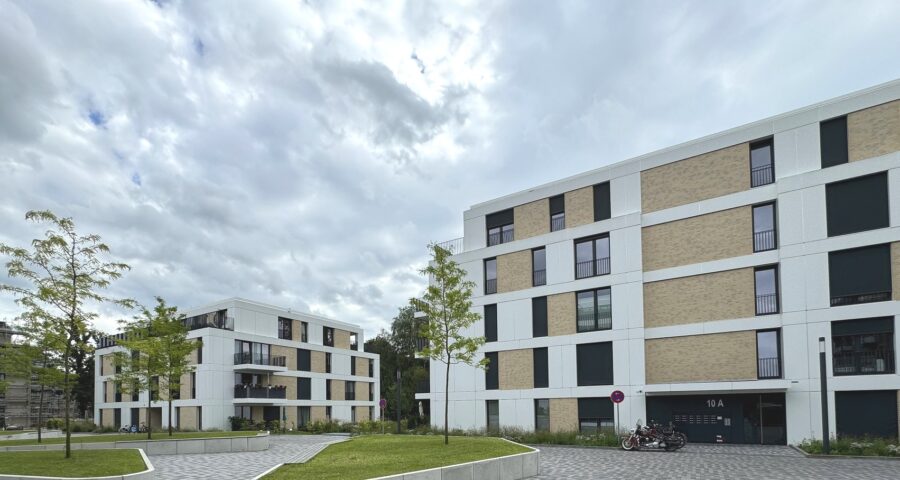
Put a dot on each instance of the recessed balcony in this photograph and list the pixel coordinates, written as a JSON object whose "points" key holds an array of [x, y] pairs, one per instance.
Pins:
{"points": [[255, 362]]}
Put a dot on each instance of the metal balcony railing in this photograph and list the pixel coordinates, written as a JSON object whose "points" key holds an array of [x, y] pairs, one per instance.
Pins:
{"points": [[454, 246], [248, 358], [558, 223], [762, 175], [764, 240], [860, 298], [864, 363], [490, 286], [592, 268], [504, 236], [768, 367], [539, 277], [260, 391], [589, 319], [766, 304]]}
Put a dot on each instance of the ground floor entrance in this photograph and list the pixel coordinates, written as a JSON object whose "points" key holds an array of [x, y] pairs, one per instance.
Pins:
{"points": [[716, 418]]}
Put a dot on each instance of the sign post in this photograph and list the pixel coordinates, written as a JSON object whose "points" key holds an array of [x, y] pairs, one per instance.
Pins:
{"points": [[382, 403], [617, 396]]}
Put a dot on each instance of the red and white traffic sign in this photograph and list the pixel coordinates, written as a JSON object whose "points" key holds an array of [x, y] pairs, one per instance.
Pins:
{"points": [[617, 396]]}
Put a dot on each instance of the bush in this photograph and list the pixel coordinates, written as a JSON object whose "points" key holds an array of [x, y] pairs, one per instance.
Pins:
{"points": [[865, 446], [55, 423], [241, 424], [81, 426]]}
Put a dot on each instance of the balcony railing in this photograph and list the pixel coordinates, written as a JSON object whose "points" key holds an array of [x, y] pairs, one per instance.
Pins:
{"points": [[768, 367], [504, 236], [592, 268], [860, 298], [864, 363], [764, 240], [557, 223], [766, 304], [539, 277], [454, 246], [762, 175], [248, 358], [589, 319], [260, 391], [490, 286], [209, 321]]}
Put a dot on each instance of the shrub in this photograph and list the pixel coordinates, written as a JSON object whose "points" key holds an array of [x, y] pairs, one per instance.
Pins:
{"points": [[241, 424], [55, 424], [865, 446]]}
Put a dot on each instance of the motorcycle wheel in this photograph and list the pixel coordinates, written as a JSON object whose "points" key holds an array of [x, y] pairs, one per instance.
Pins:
{"points": [[627, 444], [675, 442]]}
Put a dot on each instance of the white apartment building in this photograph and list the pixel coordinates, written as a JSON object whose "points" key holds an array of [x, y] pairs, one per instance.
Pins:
{"points": [[256, 361], [697, 280]]}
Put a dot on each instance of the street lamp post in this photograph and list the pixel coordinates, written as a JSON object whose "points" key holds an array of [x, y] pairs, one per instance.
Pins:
{"points": [[398, 399], [823, 374]]}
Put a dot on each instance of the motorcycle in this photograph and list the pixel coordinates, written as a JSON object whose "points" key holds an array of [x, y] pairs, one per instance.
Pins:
{"points": [[654, 436]]}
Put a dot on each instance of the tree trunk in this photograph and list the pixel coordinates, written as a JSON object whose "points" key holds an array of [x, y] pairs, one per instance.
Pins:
{"points": [[149, 404], [447, 404], [40, 413], [169, 388], [68, 399]]}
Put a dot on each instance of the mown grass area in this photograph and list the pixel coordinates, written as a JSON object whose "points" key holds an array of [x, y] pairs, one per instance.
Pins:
{"points": [[864, 447], [83, 463], [124, 437], [379, 455]]}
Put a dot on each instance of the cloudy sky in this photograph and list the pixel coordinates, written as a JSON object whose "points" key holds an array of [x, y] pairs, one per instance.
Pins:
{"points": [[303, 153]]}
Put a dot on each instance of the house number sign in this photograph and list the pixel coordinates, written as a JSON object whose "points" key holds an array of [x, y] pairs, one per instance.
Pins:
{"points": [[715, 403]]}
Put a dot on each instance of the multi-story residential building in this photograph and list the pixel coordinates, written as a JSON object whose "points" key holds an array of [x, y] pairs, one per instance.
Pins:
{"points": [[258, 362], [698, 280]]}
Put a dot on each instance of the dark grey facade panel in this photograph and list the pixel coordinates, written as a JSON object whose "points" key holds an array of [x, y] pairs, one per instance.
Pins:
{"points": [[833, 142], [857, 205]]}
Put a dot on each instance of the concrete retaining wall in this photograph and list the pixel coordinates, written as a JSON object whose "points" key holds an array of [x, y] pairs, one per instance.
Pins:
{"points": [[167, 447], [148, 474], [512, 467]]}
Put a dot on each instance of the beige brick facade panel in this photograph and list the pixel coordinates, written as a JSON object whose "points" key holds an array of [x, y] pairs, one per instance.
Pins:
{"points": [[337, 389], [317, 361], [714, 236], [700, 298], [296, 333], [697, 178], [257, 413], [579, 207], [362, 391], [290, 417], [362, 414], [514, 271], [561, 314], [516, 369], [290, 384], [289, 354], [187, 418], [563, 414], [317, 414], [362, 366], [895, 269], [110, 391], [532, 219], [107, 417], [716, 357], [186, 386], [874, 132], [341, 339], [194, 356], [107, 365]]}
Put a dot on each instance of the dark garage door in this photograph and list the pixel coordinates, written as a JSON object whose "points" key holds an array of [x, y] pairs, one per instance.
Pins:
{"points": [[868, 413]]}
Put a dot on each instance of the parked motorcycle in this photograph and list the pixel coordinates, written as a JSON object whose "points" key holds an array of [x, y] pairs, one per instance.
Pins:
{"points": [[654, 436]]}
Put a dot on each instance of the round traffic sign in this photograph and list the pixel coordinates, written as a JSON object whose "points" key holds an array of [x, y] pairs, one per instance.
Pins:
{"points": [[617, 396], [382, 403]]}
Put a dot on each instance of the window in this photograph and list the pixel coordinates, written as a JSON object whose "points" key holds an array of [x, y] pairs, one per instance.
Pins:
{"points": [[594, 310], [762, 167], [766, 290], [833, 142], [539, 317], [592, 257], [768, 354], [860, 275], [304, 388], [193, 384], [539, 266], [303, 416], [557, 213], [491, 373], [117, 417], [371, 393], [303, 360], [154, 388], [863, 347], [764, 237], [118, 392], [595, 415], [327, 389], [327, 362], [284, 328], [490, 276], [541, 415], [328, 413], [857, 205], [352, 365], [595, 363], [354, 342], [541, 373], [866, 413], [304, 327], [490, 323], [371, 368], [493, 415], [328, 336], [199, 351], [349, 390], [353, 414], [601, 202], [500, 228]]}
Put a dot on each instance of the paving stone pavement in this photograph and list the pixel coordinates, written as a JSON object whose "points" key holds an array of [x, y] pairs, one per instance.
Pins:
{"points": [[734, 462], [243, 465]]}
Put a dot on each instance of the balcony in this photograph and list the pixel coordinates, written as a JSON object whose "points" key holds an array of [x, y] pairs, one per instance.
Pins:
{"points": [[762, 175], [860, 298], [864, 363], [210, 320], [454, 246], [504, 236], [589, 319], [592, 268], [490, 286], [767, 304], [557, 222], [259, 394], [768, 368], [764, 240], [256, 362], [539, 277]]}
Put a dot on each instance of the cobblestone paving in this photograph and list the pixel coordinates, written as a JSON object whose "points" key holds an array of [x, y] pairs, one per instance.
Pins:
{"points": [[734, 462], [244, 465]]}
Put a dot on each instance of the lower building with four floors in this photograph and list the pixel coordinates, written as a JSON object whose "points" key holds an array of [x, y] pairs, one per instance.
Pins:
{"points": [[698, 280], [257, 362]]}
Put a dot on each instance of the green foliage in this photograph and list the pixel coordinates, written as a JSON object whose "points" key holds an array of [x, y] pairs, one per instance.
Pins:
{"points": [[84, 463], [865, 446], [58, 277], [241, 424], [447, 305]]}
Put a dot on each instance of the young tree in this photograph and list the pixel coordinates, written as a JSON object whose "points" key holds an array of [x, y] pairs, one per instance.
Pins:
{"points": [[60, 274], [34, 362], [447, 307], [174, 349]]}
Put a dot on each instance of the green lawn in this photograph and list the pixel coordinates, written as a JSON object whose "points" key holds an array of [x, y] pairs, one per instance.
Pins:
{"points": [[123, 437], [84, 463], [376, 456]]}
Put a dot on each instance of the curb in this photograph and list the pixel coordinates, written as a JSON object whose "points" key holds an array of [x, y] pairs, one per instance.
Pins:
{"points": [[843, 457]]}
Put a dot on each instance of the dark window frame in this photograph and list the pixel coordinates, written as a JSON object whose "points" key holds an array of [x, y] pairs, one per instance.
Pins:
{"points": [[327, 336], [304, 388], [761, 236], [490, 288], [487, 414], [780, 358], [536, 416], [859, 298], [759, 175], [604, 212], [349, 390], [490, 326], [591, 364], [285, 328], [304, 332], [593, 262], [540, 379], [834, 227], [539, 328], [889, 354], [492, 371], [502, 221], [777, 293], [352, 365], [596, 328], [538, 277], [844, 156]]}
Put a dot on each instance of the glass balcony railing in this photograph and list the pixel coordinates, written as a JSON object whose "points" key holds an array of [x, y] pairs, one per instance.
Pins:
{"points": [[248, 358]]}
